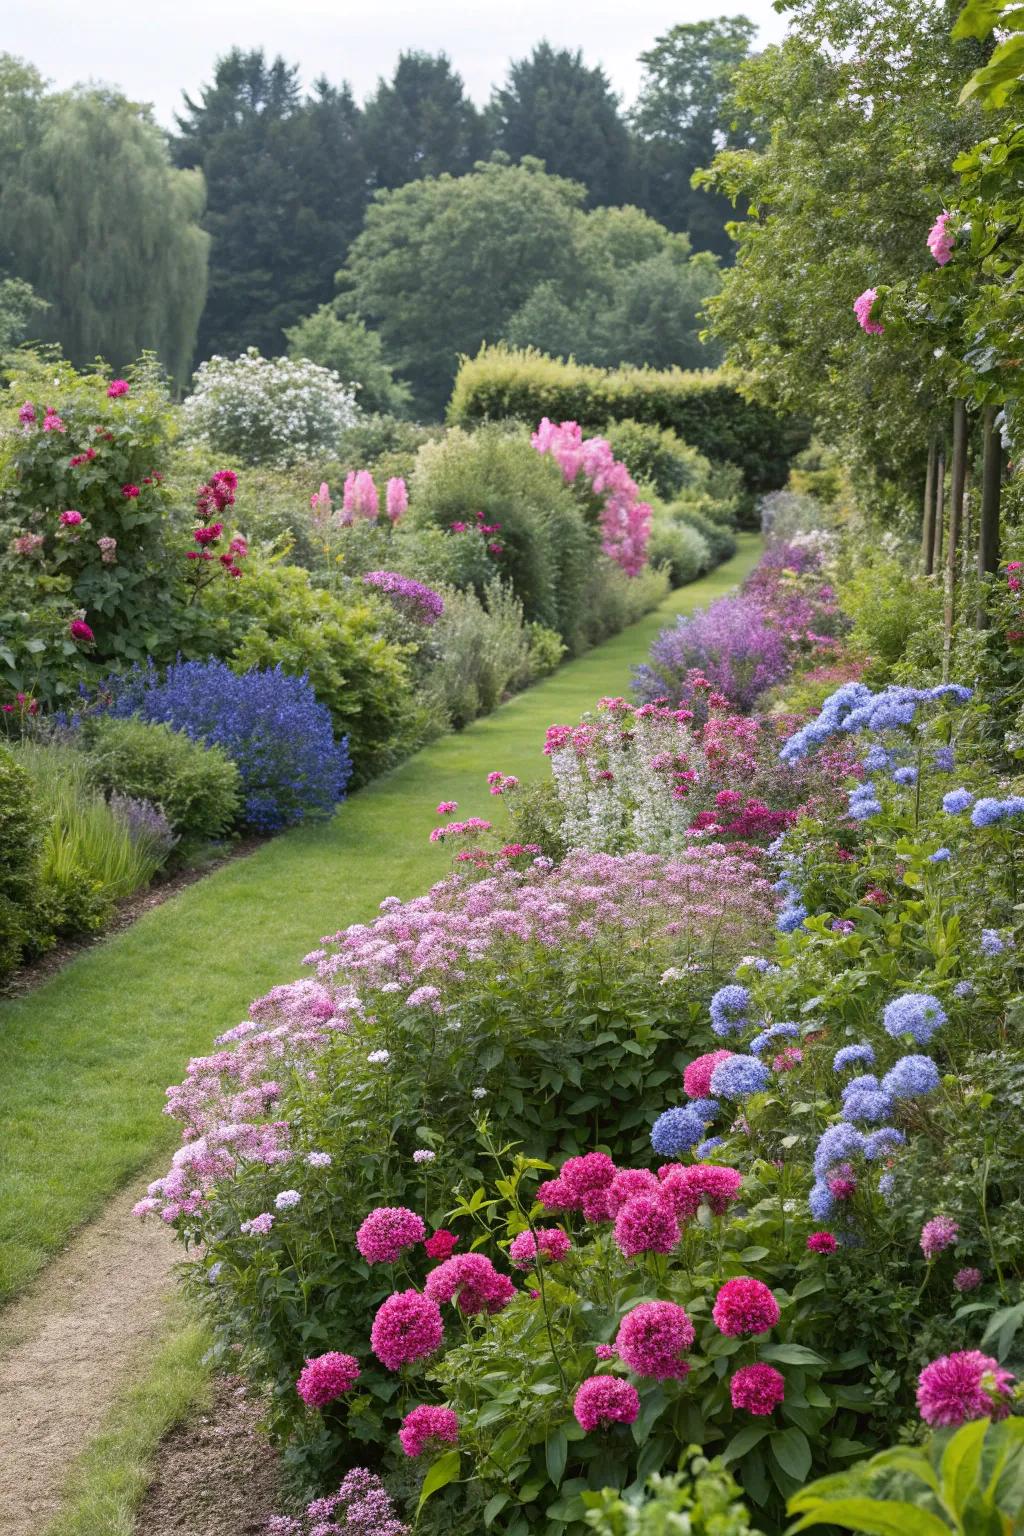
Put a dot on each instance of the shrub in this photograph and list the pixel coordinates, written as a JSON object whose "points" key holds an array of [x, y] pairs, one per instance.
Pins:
{"points": [[657, 456], [268, 723], [21, 836], [267, 410], [613, 600], [708, 1501], [704, 409], [482, 650], [196, 785], [680, 548], [730, 643], [720, 541], [352, 352]]}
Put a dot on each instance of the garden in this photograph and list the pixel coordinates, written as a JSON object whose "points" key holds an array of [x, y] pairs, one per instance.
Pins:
{"points": [[510, 915]]}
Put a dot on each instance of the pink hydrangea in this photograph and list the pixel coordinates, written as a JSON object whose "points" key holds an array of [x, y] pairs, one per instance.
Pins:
{"points": [[407, 1327], [471, 1280], [967, 1279], [938, 1234], [653, 1337], [325, 1377], [387, 1231], [862, 306], [604, 1400], [962, 1386], [628, 1183], [551, 1242], [757, 1388], [745, 1306], [646, 1224], [821, 1242], [940, 241], [697, 1077], [428, 1428]]}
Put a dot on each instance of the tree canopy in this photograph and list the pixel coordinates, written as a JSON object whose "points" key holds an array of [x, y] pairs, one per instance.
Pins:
{"points": [[421, 123]]}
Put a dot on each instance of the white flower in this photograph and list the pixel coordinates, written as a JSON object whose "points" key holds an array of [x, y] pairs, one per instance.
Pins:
{"points": [[319, 1159], [423, 1155], [479, 1093], [379, 1058]]}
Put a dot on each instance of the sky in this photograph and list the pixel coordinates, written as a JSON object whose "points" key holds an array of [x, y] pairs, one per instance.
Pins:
{"points": [[153, 49]]}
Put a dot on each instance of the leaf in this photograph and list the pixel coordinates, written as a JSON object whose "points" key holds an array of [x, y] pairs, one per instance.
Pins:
{"points": [[744, 1440], [444, 1471], [556, 1450], [790, 1354], [792, 1452], [872, 1517], [960, 1463], [494, 1507]]}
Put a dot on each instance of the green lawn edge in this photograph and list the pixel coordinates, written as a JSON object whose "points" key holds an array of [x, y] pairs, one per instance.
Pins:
{"points": [[85, 1058]]}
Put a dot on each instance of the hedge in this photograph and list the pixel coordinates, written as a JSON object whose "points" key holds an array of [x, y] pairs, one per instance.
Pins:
{"points": [[704, 408]]}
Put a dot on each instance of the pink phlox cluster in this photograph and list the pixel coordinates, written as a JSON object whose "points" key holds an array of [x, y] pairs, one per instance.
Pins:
{"points": [[500, 783], [757, 1388], [472, 1282], [625, 519], [604, 1400], [325, 1377], [407, 1327], [386, 1233], [473, 826], [653, 1337], [361, 1505], [962, 1386]]}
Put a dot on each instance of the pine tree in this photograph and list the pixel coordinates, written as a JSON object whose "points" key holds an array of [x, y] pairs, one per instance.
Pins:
{"points": [[421, 123]]}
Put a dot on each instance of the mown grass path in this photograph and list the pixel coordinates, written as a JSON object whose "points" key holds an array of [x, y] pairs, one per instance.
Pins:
{"points": [[84, 1059]]}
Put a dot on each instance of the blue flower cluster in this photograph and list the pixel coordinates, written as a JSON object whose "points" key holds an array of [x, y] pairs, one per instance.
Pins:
{"points": [[848, 1054], [703, 1149], [915, 1013], [944, 759], [905, 776], [989, 810], [992, 942], [268, 722], [837, 1144], [739, 1077], [676, 1130], [877, 758], [910, 1077], [940, 856], [886, 1139], [853, 707], [957, 801], [728, 1009], [864, 1098], [773, 1032], [864, 801]]}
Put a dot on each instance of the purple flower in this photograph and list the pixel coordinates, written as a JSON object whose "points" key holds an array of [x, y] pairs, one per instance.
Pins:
{"points": [[730, 643], [414, 599]]}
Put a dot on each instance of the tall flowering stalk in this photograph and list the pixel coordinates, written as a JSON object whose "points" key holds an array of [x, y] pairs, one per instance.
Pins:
{"points": [[625, 519]]}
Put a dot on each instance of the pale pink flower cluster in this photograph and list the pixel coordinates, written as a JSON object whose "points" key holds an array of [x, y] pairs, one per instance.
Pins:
{"points": [[625, 519], [360, 498], [940, 241], [862, 306], [396, 498]]}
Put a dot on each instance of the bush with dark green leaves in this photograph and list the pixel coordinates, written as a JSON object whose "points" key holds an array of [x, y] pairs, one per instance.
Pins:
{"points": [[657, 456], [21, 835], [197, 787]]}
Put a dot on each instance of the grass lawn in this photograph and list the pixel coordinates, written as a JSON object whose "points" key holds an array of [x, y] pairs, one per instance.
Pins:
{"points": [[84, 1058]]}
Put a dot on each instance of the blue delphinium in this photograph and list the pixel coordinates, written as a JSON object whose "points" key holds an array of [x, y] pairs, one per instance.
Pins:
{"points": [[728, 1009], [910, 1077], [992, 942], [940, 856], [739, 1076], [821, 1201], [905, 776], [705, 1148], [837, 1144], [878, 1143], [773, 1032], [957, 801], [676, 1130], [865, 1099], [915, 1013], [848, 1054], [944, 759]]}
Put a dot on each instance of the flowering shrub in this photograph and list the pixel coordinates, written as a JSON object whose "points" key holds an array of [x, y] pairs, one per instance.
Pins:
{"points": [[267, 410], [625, 520], [412, 597]]}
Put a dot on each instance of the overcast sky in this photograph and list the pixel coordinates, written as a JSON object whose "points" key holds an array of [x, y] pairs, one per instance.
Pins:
{"points": [[152, 49]]}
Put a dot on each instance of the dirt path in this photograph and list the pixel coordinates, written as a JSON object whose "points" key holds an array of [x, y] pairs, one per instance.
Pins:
{"points": [[65, 1350]]}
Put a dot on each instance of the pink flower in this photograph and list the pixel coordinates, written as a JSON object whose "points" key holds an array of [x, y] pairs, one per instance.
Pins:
{"points": [[551, 1242], [116, 388], [387, 1231], [842, 1183], [628, 1183], [967, 1279], [259, 1226], [27, 543], [78, 629], [129, 492], [208, 535], [653, 1337], [962, 1386], [108, 549], [360, 495], [936, 1235], [821, 1242], [697, 1077], [786, 1060], [862, 306], [396, 498], [604, 1351], [320, 503], [470, 1280], [940, 241], [744, 1306], [688, 1188], [52, 422], [580, 1178], [604, 1400], [325, 1377], [71, 518], [407, 1327], [427, 1429], [646, 1224], [27, 414], [757, 1388], [441, 1244], [447, 807]]}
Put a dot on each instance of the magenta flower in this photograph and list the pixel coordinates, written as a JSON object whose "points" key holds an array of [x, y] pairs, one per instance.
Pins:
{"points": [[627, 1184], [551, 1242], [71, 518], [52, 422], [441, 1244], [940, 241], [653, 1337], [862, 307], [116, 388], [360, 497], [428, 1429], [646, 1224], [470, 1280], [387, 1232], [962, 1386], [821, 1242], [967, 1279], [130, 492], [757, 1388], [27, 414], [604, 1400], [938, 1234], [78, 629], [325, 1377], [407, 1327], [697, 1077], [745, 1306], [447, 807]]}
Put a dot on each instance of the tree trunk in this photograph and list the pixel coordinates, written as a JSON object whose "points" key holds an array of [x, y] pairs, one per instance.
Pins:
{"points": [[958, 477], [940, 509], [928, 516], [988, 525]]}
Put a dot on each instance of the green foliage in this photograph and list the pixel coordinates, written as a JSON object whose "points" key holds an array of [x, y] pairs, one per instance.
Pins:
{"points": [[970, 1482], [421, 123], [680, 547], [704, 409], [720, 540], [479, 651], [704, 1502], [196, 787], [21, 834], [354, 353], [657, 456], [99, 223], [889, 606], [19, 304]]}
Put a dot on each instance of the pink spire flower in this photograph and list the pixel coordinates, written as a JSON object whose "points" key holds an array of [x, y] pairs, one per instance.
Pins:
{"points": [[360, 497], [325, 1377], [962, 1386], [757, 1388], [604, 1400], [396, 498], [320, 504], [940, 241], [862, 307], [428, 1428]]}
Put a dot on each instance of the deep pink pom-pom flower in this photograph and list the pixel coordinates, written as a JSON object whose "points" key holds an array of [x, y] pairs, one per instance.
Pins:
{"points": [[552, 1243], [688, 1188], [697, 1077], [71, 518], [428, 1428], [325, 1377], [862, 306], [387, 1231], [626, 1185], [962, 1386], [441, 1244], [470, 1280], [757, 1388], [646, 1224], [116, 388], [407, 1327], [78, 629], [744, 1306], [821, 1242], [553, 1195], [604, 1400], [967, 1279], [938, 1234], [653, 1338], [581, 1177]]}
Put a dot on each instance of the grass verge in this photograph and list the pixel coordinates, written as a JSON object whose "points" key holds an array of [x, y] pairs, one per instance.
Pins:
{"points": [[84, 1059]]}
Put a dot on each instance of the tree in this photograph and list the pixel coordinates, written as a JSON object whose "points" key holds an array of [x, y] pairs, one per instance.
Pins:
{"points": [[18, 305], [683, 115], [443, 262], [355, 353], [287, 192], [95, 218], [556, 109], [421, 123]]}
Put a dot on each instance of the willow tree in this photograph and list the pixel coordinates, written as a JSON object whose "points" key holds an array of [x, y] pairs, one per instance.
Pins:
{"points": [[96, 219]]}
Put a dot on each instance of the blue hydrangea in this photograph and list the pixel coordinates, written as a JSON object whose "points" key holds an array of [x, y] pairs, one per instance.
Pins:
{"points": [[876, 758], [905, 776], [964, 989], [987, 812], [837, 1144], [848, 1054], [728, 1009], [774, 1032], [915, 1013], [821, 1201], [940, 856], [791, 917], [1013, 805], [739, 1077], [706, 1108], [864, 1098], [759, 964], [704, 1149], [944, 759], [883, 1141], [910, 1077], [676, 1130], [992, 942], [957, 801]]}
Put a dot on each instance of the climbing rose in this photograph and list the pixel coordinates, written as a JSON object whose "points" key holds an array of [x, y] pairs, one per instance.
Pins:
{"points": [[428, 1428], [604, 1400], [653, 1337], [325, 1377], [407, 1327], [965, 1385], [862, 309], [387, 1231], [551, 1242], [745, 1306], [757, 1388]]}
